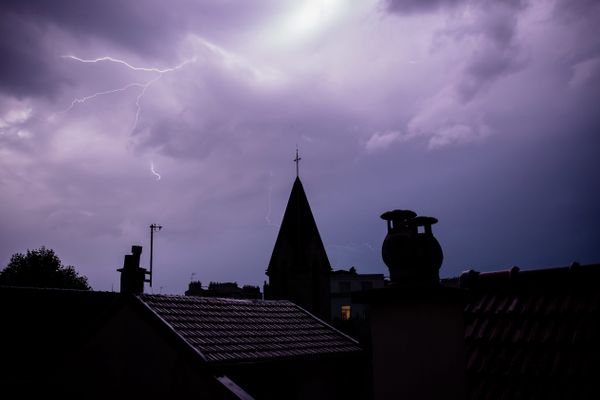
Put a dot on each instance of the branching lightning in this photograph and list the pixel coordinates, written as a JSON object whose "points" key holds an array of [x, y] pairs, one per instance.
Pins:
{"points": [[92, 96], [154, 171], [138, 107], [144, 86], [125, 63]]}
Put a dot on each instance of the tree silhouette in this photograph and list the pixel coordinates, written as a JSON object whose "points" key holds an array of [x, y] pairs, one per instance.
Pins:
{"points": [[41, 268]]}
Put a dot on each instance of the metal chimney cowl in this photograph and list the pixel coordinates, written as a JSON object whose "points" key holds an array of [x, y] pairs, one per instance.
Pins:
{"points": [[413, 257]]}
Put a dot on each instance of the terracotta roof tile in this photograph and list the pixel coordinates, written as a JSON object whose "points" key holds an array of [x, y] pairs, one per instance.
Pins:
{"points": [[503, 304], [509, 327], [515, 305], [534, 334]]}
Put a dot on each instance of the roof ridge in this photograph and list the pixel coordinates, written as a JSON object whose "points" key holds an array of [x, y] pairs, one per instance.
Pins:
{"points": [[214, 299], [535, 278]]}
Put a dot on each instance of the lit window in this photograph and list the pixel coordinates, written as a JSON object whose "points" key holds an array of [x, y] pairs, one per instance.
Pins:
{"points": [[346, 313]]}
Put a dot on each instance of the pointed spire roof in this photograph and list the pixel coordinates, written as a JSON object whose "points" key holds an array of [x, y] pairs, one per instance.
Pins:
{"points": [[299, 245]]}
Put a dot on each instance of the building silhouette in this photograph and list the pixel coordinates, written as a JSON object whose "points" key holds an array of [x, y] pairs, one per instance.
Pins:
{"points": [[347, 316], [492, 335], [299, 268], [98, 345], [343, 283], [229, 290]]}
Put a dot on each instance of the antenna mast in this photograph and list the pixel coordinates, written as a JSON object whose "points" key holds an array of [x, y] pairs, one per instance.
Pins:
{"points": [[153, 228]]}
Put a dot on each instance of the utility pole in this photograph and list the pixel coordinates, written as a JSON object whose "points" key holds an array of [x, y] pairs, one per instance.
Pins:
{"points": [[153, 228]]}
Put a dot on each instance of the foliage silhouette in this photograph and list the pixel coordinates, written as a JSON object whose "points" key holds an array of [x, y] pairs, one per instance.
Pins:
{"points": [[41, 268]]}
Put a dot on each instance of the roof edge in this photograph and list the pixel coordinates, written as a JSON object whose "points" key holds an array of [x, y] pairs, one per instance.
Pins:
{"points": [[557, 278], [168, 326], [326, 324]]}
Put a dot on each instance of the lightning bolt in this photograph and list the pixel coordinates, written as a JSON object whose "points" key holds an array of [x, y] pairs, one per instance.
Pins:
{"points": [[81, 100], [355, 246], [125, 63], [143, 86], [229, 59], [154, 171], [138, 99]]}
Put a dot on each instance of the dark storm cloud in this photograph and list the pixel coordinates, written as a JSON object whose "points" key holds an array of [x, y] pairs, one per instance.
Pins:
{"points": [[492, 24], [497, 54], [419, 6], [26, 64], [144, 26], [573, 10], [424, 6], [486, 35], [147, 28], [27, 27], [582, 18], [223, 117]]}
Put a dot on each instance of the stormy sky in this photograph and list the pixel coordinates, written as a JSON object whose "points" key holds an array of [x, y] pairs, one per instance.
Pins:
{"points": [[115, 115]]}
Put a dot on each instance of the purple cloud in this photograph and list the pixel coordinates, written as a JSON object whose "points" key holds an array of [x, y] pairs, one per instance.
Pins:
{"points": [[479, 113], [416, 6]]}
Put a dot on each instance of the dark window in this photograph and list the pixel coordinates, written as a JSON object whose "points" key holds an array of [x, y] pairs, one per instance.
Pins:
{"points": [[344, 287], [366, 285]]}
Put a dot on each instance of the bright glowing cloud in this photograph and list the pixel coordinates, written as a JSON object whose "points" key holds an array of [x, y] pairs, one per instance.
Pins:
{"points": [[304, 21]]}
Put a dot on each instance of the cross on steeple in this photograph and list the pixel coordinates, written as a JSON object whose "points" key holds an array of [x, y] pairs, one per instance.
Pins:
{"points": [[297, 161]]}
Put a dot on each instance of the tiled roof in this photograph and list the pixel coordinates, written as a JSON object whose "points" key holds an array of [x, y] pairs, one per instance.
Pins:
{"points": [[533, 334], [230, 330]]}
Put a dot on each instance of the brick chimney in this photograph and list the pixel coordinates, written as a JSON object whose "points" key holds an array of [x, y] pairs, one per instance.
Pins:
{"points": [[132, 275], [417, 327]]}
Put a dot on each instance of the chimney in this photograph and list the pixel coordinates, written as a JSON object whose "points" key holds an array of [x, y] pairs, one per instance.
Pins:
{"points": [[417, 329], [132, 276], [413, 257]]}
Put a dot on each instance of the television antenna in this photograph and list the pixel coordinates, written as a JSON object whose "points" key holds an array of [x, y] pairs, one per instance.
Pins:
{"points": [[153, 228]]}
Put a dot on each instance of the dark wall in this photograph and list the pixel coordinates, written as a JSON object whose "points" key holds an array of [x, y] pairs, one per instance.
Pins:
{"points": [[338, 377], [40, 330], [131, 357], [105, 345], [418, 351]]}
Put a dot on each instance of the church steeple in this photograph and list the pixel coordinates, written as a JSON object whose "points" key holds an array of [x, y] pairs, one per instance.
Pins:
{"points": [[299, 268]]}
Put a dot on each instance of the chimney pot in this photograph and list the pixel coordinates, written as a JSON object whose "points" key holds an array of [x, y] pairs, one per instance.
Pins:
{"points": [[411, 257]]}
